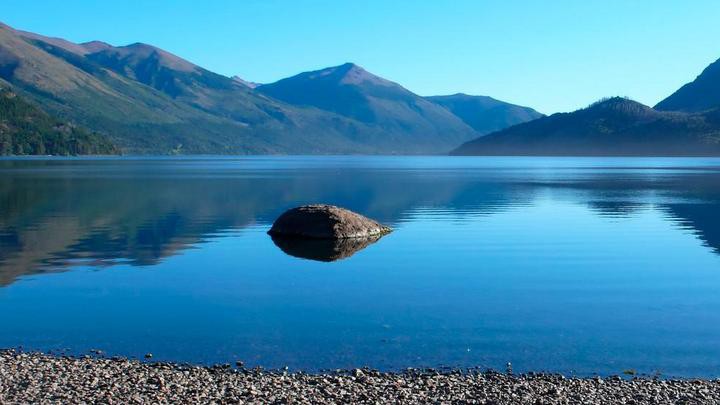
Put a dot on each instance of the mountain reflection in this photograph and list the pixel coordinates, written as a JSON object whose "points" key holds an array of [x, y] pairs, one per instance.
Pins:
{"points": [[57, 213], [688, 197]]}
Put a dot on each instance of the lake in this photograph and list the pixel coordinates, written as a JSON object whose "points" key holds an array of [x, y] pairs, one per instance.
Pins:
{"points": [[573, 265]]}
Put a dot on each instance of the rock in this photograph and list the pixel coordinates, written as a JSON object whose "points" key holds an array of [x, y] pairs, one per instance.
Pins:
{"points": [[325, 222]]}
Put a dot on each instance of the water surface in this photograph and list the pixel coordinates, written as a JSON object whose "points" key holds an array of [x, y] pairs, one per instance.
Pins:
{"points": [[574, 265]]}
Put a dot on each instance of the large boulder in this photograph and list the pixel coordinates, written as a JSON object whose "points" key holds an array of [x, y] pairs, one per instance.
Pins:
{"points": [[325, 222]]}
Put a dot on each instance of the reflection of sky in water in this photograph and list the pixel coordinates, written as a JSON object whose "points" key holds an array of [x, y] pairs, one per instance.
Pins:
{"points": [[492, 260]]}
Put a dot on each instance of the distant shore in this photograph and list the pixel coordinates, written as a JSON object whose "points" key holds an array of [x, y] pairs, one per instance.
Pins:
{"points": [[41, 378]]}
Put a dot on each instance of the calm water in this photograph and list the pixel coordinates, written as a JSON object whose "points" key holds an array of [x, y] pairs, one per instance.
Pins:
{"points": [[577, 265]]}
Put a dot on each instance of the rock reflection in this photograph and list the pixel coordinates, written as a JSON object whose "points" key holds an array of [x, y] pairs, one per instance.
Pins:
{"points": [[322, 250]]}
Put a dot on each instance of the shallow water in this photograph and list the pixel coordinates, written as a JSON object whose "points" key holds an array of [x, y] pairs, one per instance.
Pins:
{"points": [[573, 265]]}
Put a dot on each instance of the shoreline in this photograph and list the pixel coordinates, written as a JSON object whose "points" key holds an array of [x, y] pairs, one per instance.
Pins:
{"points": [[45, 378]]}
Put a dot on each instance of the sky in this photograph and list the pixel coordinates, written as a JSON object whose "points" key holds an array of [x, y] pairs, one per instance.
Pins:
{"points": [[554, 56]]}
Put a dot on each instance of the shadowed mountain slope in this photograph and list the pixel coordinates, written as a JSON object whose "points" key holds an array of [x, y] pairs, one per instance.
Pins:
{"points": [[615, 126], [702, 94]]}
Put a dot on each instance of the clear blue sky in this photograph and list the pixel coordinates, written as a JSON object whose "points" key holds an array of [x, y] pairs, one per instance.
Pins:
{"points": [[550, 55]]}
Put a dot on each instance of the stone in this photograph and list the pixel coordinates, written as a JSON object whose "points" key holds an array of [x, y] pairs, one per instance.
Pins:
{"points": [[322, 221]]}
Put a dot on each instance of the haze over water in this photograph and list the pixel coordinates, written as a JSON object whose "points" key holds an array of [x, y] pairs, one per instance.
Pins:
{"points": [[584, 265]]}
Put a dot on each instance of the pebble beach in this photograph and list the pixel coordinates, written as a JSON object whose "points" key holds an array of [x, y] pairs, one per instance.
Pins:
{"points": [[48, 379]]}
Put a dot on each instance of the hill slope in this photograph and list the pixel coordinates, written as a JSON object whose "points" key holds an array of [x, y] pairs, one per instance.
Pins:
{"points": [[614, 126], [485, 114], [702, 94], [27, 130]]}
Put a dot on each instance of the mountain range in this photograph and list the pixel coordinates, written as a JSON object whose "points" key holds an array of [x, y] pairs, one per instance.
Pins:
{"points": [[147, 100], [687, 123], [95, 98]]}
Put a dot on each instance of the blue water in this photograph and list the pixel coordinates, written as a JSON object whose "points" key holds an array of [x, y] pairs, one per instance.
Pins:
{"points": [[573, 265]]}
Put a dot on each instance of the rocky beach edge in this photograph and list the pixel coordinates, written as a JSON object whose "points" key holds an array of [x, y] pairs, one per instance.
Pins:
{"points": [[42, 378]]}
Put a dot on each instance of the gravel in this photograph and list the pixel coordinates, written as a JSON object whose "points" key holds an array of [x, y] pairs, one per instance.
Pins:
{"points": [[40, 378]]}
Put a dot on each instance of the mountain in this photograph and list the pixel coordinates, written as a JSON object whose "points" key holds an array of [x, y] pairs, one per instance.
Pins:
{"points": [[400, 116], [702, 94], [614, 126], [148, 100], [485, 114], [27, 130]]}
